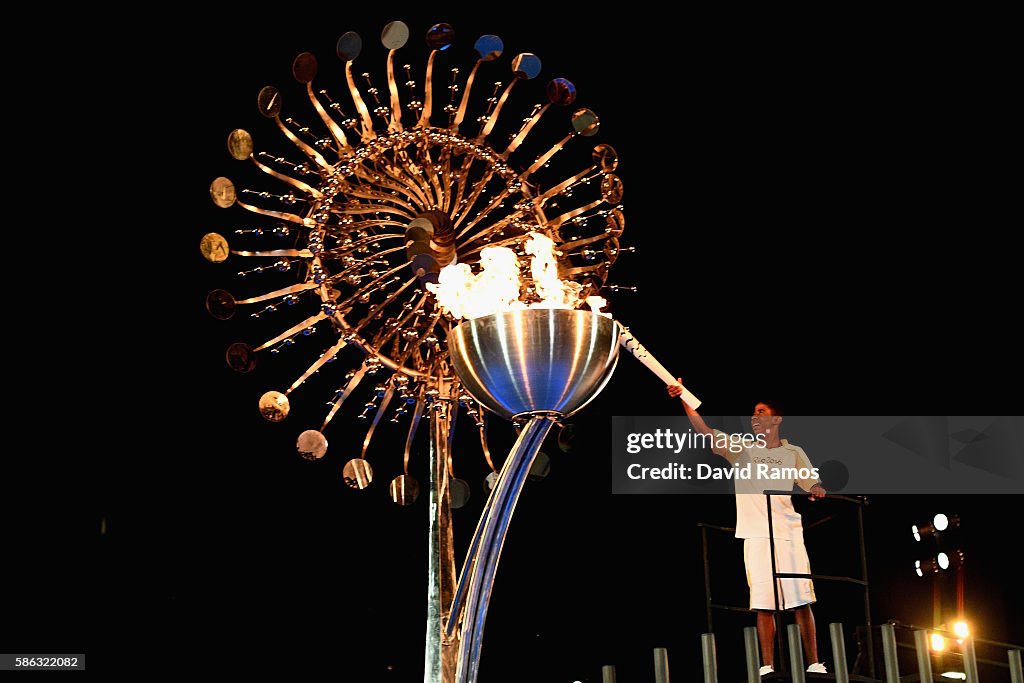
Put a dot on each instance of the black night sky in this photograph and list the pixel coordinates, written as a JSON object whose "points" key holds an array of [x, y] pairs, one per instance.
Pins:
{"points": [[811, 215]]}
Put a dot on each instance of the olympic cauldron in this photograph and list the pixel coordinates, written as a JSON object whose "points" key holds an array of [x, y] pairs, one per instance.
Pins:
{"points": [[534, 366]]}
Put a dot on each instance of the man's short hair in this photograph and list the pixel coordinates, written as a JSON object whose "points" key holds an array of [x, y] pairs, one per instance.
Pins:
{"points": [[776, 407]]}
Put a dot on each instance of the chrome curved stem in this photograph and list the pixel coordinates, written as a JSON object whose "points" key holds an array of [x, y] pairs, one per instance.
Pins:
{"points": [[455, 614], [485, 564]]}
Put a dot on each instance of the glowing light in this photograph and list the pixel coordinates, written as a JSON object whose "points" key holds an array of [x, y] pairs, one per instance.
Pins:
{"points": [[596, 303], [494, 289], [957, 675], [943, 560], [917, 534], [960, 629], [938, 643], [941, 522], [917, 567], [554, 293], [498, 287]]}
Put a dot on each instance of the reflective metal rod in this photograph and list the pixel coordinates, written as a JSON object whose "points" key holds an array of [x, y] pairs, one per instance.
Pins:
{"points": [[460, 591], [662, 660], [753, 655], [924, 655], [839, 653], [441, 650], [796, 653], [505, 496], [892, 667], [1016, 669], [970, 661]]}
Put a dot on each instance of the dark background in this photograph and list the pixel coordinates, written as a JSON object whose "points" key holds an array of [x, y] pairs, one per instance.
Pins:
{"points": [[815, 211]]}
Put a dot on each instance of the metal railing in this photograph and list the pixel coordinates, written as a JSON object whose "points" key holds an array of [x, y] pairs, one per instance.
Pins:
{"points": [[859, 502]]}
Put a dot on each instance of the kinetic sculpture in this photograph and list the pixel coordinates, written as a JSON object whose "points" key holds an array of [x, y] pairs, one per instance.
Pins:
{"points": [[396, 223]]}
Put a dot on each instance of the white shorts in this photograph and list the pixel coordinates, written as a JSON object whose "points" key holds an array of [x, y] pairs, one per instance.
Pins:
{"points": [[790, 558]]}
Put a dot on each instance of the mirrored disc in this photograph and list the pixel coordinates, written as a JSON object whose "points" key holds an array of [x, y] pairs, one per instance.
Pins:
{"points": [[440, 36], [490, 481], [561, 92], [304, 67], [566, 438], [269, 101], [240, 357], [239, 144], [220, 304], [611, 189], [349, 46], [526, 65], [222, 192], [419, 226], [425, 263], [615, 223], [274, 406], [606, 157], [311, 444], [214, 247], [459, 491], [357, 474], [489, 47], [404, 490], [394, 35], [611, 249], [540, 468], [585, 122]]}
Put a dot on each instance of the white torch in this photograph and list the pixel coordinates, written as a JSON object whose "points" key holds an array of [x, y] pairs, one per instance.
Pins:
{"points": [[630, 343]]}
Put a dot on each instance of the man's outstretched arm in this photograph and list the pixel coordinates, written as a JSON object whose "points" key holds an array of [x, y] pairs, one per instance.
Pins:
{"points": [[675, 391], [699, 426]]}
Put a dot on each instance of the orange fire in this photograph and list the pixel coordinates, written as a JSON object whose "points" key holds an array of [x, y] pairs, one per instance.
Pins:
{"points": [[498, 286]]}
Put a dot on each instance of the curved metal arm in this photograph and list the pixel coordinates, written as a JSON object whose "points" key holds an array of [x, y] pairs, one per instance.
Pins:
{"points": [[502, 504]]}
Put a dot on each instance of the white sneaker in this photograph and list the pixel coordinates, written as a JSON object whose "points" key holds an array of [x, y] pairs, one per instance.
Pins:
{"points": [[767, 669], [817, 668]]}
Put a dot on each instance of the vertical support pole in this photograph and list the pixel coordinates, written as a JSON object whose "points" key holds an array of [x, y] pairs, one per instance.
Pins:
{"points": [[607, 674], [1016, 669], [780, 660], [892, 666], [661, 665], [707, 651], [867, 590], [441, 653], [707, 575], [970, 661], [752, 648], [839, 653], [796, 653], [924, 655]]}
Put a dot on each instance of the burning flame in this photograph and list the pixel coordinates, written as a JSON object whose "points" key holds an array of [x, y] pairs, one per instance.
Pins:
{"points": [[498, 286], [554, 293]]}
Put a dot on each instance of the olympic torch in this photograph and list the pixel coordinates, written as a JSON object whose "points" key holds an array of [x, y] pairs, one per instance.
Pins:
{"points": [[630, 343]]}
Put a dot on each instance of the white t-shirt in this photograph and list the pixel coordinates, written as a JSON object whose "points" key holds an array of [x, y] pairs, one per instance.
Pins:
{"points": [[751, 507]]}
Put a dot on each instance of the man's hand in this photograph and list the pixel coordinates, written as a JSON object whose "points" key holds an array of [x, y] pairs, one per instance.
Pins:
{"points": [[675, 390], [817, 492]]}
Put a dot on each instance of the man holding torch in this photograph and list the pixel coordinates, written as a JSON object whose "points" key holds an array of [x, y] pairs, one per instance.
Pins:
{"points": [[752, 526]]}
